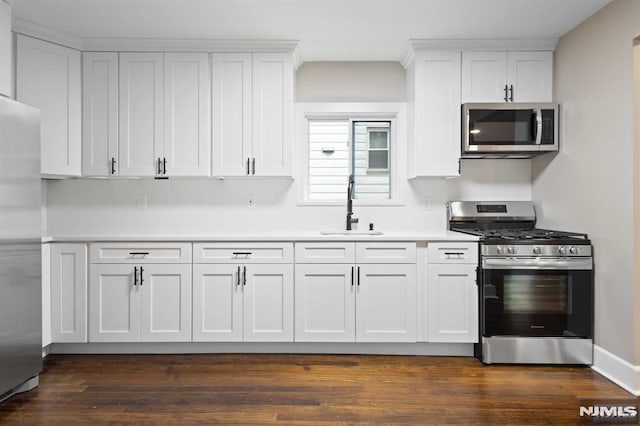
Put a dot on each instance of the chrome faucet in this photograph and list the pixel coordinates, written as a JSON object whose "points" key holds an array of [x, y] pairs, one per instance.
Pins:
{"points": [[350, 219]]}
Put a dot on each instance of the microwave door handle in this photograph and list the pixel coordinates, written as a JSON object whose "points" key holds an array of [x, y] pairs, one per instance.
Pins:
{"points": [[538, 126]]}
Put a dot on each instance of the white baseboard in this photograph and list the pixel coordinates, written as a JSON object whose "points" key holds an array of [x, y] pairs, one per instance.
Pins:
{"points": [[616, 369]]}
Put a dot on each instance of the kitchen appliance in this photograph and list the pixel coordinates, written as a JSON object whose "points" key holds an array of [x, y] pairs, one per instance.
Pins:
{"points": [[20, 248], [514, 130], [535, 285]]}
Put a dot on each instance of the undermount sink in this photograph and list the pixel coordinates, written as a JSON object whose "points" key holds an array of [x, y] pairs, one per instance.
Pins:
{"points": [[351, 232]]}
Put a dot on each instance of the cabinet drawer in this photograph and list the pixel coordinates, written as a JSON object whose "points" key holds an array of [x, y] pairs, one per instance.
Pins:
{"points": [[452, 253], [337, 252], [386, 252], [140, 253], [243, 253]]}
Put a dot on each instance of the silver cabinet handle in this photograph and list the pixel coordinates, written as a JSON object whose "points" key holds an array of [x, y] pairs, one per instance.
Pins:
{"points": [[511, 90], [352, 274], [135, 275], [253, 164], [506, 99], [141, 277], [244, 276], [238, 280], [248, 170]]}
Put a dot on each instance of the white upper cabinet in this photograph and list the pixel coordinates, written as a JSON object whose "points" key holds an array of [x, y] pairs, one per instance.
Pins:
{"points": [[6, 47], [232, 126], [100, 114], [252, 114], [272, 114], [507, 76], [531, 74], [141, 113], [187, 138], [146, 114], [48, 78], [433, 91]]}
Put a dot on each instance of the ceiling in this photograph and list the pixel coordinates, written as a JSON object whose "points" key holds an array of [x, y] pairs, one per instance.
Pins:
{"points": [[326, 29]]}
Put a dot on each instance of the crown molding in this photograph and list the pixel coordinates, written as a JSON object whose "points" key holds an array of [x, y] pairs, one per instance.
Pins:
{"points": [[187, 45], [27, 28], [530, 44]]}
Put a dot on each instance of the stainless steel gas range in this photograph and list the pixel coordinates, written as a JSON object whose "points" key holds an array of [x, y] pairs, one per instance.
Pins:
{"points": [[535, 285]]}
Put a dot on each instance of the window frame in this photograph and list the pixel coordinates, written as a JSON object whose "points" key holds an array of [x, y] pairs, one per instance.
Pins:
{"points": [[393, 112], [387, 149]]}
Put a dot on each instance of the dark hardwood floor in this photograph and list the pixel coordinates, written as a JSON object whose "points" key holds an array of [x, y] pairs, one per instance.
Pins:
{"points": [[301, 389]]}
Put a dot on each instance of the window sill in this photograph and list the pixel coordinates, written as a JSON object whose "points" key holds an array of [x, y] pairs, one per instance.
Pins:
{"points": [[356, 203]]}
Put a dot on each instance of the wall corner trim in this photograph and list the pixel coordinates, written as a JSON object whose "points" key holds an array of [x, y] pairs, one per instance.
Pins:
{"points": [[616, 369]]}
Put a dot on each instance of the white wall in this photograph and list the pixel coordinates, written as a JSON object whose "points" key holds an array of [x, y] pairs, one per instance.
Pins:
{"points": [[588, 186], [350, 82]]}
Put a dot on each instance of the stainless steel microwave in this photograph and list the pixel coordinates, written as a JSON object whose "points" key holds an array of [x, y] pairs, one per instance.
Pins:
{"points": [[513, 130]]}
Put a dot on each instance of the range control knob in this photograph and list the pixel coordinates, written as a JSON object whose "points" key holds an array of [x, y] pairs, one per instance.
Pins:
{"points": [[573, 250], [511, 250], [562, 249], [536, 250], [500, 250]]}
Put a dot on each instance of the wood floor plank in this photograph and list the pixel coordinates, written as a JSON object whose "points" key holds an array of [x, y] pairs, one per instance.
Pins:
{"points": [[301, 389]]}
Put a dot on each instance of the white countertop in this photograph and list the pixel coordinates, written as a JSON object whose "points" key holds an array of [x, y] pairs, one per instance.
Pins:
{"points": [[279, 236]]}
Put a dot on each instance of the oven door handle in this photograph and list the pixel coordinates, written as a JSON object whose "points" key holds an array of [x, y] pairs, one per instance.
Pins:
{"points": [[562, 264]]}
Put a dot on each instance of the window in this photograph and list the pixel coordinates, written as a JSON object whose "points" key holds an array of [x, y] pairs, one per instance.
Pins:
{"points": [[341, 147], [338, 139]]}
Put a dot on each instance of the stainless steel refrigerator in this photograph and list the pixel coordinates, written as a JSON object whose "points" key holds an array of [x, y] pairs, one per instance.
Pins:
{"points": [[20, 248]]}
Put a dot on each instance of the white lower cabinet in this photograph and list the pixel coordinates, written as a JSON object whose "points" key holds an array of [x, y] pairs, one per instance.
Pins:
{"points": [[68, 293], [144, 302], [235, 299], [356, 301], [325, 303], [452, 293], [386, 303]]}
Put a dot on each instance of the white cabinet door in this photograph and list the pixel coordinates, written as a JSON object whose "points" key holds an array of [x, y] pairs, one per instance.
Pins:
{"points": [[48, 78], [268, 303], [114, 304], [434, 148], [141, 113], [386, 303], [231, 114], [273, 81], [484, 76], [6, 48], [217, 303], [187, 92], [100, 114], [165, 303], [325, 303], [531, 74], [452, 303], [68, 293]]}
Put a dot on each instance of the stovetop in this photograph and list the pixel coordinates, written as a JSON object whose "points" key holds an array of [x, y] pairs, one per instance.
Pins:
{"points": [[506, 222], [524, 236]]}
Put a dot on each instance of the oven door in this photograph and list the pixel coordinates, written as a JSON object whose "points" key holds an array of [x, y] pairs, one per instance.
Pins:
{"points": [[537, 297]]}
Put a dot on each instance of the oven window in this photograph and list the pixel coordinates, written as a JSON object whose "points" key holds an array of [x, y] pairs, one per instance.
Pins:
{"points": [[535, 294], [501, 127]]}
